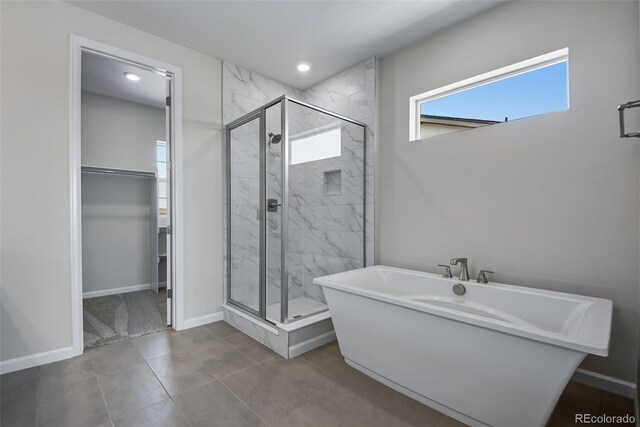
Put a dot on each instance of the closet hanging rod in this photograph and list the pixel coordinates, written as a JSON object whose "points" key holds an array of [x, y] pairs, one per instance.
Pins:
{"points": [[94, 170]]}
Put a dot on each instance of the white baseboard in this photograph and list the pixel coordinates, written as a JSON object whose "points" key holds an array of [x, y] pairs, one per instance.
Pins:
{"points": [[310, 344], [202, 320], [37, 359], [114, 291], [604, 382]]}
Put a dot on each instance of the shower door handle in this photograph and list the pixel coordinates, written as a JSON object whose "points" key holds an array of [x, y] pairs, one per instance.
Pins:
{"points": [[272, 205]]}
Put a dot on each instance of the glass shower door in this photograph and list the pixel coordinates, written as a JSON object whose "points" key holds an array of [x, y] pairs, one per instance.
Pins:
{"points": [[245, 219]]}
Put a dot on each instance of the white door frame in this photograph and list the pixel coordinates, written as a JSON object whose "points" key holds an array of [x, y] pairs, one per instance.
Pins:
{"points": [[78, 44]]}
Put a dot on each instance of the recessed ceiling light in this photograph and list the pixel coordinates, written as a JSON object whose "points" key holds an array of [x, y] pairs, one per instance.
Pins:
{"points": [[304, 67], [132, 76]]}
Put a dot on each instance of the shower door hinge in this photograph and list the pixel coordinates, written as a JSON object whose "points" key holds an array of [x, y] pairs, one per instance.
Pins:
{"points": [[169, 229], [168, 101], [169, 293]]}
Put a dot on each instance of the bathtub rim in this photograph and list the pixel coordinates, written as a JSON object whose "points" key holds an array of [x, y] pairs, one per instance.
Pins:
{"points": [[596, 348]]}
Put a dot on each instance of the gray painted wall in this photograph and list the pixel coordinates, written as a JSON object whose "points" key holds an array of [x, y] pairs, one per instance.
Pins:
{"points": [[115, 232], [549, 201], [120, 134], [35, 194], [115, 211]]}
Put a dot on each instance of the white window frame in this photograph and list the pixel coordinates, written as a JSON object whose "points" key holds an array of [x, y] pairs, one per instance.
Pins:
{"points": [[556, 57], [161, 180]]}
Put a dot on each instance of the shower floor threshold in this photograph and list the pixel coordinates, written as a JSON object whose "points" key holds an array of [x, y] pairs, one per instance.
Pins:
{"points": [[298, 307]]}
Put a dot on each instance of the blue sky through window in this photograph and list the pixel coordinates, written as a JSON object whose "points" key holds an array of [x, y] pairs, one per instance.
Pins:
{"points": [[528, 94]]}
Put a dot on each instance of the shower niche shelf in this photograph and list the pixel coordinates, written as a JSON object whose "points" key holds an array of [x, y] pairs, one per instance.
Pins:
{"points": [[332, 183]]}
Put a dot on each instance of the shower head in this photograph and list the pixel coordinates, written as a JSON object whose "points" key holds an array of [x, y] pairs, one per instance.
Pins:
{"points": [[274, 138]]}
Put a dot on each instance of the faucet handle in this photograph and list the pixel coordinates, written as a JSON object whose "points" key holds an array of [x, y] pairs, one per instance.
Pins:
{"points": [[482, 277], [447, 271]]}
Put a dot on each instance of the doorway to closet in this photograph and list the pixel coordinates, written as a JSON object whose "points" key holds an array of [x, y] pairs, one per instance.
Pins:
{"points": [[126, 198]]}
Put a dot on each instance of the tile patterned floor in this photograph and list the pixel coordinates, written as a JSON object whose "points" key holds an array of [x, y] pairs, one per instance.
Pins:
{"points": [[215, 376]]}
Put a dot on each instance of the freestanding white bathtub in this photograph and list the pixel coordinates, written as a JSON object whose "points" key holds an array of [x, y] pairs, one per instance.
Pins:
{"points": [[499, 355]]}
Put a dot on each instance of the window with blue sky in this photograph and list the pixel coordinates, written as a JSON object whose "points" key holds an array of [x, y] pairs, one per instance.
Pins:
{"points": [[534, 92]]}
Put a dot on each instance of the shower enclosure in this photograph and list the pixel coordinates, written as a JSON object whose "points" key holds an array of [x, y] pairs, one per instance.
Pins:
{"points": [[295, 207]]}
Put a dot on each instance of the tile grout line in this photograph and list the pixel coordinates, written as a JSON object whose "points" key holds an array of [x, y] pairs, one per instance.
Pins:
{"points": [[284, 383], [236, 372], [306, 398], [291, 386], [243, 402], [38, 398], [104, 399], [155, 376], [180, 410], [170, 397]]}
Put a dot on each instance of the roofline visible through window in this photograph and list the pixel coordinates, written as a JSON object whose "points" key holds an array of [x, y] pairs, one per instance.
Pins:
{"points": [[551, 58]]}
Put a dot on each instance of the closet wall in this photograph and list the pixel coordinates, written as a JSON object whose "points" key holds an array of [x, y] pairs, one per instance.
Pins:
{"points": [[116, 210], [120, 134]]}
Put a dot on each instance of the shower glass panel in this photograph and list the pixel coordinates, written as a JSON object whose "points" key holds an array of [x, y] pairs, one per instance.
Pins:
{"points": [[244, 215], [295, 207], [326, 203]]}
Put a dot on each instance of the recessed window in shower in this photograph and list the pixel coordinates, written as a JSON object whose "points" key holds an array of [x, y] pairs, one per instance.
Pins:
{"points": [[322, 142], [332, 183]]}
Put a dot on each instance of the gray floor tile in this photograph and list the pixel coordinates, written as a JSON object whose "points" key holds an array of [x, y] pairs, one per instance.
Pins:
{"points": [[613, 404], [309, 415], [265, 394], [161, 414], [214, 405], [20, 410], [385, 399], [17, 378], [197, 335], [222, 329], [157, 344], [333, 396], [179, 374], [576, 399], [327, 355], [312, 383], [250, 347], [253, 388], [450, 422], [130, 389], [111, 357], [68, 370], [75, 403], [221, 359], [20, 391]]}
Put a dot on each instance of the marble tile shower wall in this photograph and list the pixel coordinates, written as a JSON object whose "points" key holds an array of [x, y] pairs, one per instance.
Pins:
{"points": [[325, 229], [334, 222], [243, 92]]}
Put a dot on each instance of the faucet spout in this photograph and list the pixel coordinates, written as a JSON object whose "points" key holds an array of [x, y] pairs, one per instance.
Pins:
{"points": [[464, 271]]}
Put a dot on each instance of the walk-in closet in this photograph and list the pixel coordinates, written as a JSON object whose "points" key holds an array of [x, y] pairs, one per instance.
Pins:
{"points": [[125, 195]]}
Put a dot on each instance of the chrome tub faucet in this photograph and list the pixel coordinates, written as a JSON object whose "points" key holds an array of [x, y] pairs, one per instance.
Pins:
{"points": [[464, 271]]}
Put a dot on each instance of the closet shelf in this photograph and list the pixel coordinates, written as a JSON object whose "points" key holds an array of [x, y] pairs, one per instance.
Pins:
{"points": [[95, 170]]}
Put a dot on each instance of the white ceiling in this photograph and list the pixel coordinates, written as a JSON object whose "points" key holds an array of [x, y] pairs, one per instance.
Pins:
{"points": [[273, 37], [105, 76]]}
